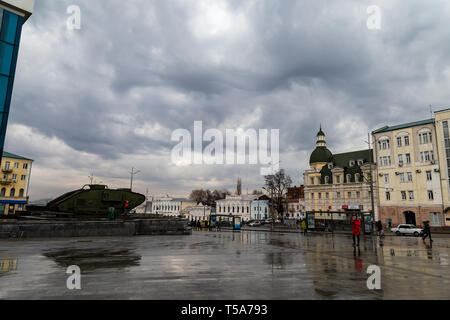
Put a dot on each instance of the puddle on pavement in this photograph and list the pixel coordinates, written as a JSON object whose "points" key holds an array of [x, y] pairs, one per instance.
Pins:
{"points": [[92, 259]]}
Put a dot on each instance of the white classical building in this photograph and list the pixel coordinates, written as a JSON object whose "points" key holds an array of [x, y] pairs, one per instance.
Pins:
{"points": [[171, 207], [236, 205], [198, 212]]}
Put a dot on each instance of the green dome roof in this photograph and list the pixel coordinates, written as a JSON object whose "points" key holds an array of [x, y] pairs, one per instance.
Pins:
{"points": [[320, 133], [321, 154]]}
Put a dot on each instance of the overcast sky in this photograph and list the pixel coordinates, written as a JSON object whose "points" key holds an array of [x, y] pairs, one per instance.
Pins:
{"points": [[107, 97]]}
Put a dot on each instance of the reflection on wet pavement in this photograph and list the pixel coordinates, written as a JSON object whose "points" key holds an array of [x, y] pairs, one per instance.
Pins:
{"points": [[226, 265], [91, 259]]}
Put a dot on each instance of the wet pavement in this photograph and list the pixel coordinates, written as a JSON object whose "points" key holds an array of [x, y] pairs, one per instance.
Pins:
{"points": [[225, 265]]}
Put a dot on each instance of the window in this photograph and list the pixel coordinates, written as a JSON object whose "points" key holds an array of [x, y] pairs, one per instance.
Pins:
{"points": [[352, 163], [349, 177], [5, 176], [12, 192], [312, 180], [320, 195], [399, 141], [7, 165], [360, 162], [408, 158], [403, 195], [358, 194], [3, 193], [357, 177], [400, 159], [410, 177], [402, 177], [429, 176], [425, 138], [388, 195], [14, 177], [16, 165], [386, 178], [25, 166], [21, 191], [327, 179], [386, 161], [411, 195], [338, 179], [430, 195], [349, 195], [327, 195], [406, 140], [338, 195], [384, 144]]}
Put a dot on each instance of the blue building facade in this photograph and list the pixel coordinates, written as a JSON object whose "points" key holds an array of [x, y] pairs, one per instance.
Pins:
{"points": [[12, 17], [260, 210]]}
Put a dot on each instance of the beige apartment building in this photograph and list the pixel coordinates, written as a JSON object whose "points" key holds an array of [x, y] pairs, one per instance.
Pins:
{"points": [[442, 122], [408, 170], [338, 185]]}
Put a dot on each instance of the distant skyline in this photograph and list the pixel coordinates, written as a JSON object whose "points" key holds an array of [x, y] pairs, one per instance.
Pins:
{"points": [[107, 97]]}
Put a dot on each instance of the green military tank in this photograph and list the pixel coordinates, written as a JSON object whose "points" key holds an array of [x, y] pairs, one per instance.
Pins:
{"points": [[92, 199]]}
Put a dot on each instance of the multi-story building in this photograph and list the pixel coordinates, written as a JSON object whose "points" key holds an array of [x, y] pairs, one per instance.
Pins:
{"points": [[260, 208], [13, 13], [238, 205], [14, 183], [296, 202], [197, 212], [172, 207], [338, 184], [408, 170], [442, 123]]}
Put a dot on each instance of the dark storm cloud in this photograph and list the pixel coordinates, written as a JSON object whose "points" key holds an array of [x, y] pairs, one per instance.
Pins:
{"points": [[110, 94]]}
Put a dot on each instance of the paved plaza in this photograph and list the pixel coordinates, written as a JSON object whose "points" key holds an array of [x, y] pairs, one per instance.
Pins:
{"points": [[226, 265]]}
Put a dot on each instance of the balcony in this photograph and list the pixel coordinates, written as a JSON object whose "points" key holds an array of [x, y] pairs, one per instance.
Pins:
{"points": [[5, 181], [7, 170]]}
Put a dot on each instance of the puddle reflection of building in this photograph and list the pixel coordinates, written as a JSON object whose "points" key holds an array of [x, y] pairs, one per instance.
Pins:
{"points": [[8, 264]]}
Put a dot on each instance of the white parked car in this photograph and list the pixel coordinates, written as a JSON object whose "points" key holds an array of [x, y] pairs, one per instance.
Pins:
{"points": [[407, 229]]}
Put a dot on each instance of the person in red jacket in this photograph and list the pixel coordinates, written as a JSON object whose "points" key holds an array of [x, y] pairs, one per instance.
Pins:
{"points": [[126, 208], [356, 229]]}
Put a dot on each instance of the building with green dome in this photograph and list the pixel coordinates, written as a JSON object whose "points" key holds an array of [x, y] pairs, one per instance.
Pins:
{"points": [[337, 185]]}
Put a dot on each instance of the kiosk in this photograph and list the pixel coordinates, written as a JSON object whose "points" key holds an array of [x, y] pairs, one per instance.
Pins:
{"points": [[225, 221]]}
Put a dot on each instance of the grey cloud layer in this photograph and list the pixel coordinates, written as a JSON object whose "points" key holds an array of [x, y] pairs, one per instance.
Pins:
{"points": [[139, 69]]}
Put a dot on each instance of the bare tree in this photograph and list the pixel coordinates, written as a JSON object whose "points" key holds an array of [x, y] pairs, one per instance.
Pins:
{"points": [[239, 187], [208, 197], [277, 185]]}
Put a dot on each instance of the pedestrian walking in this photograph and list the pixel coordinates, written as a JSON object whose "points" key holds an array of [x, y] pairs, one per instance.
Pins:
{"points": [[379, 226], [426, 231], [356, 229], [305, 230], [126, 208]]}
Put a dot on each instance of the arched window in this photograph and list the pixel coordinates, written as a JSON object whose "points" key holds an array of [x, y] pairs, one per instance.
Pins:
{"points": [[327, 179], [13, 192], [21, 191], [348, 178], [383, 143], [3, 193], [356, 177]]}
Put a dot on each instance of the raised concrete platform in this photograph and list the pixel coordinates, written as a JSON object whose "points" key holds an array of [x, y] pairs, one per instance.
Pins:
{"points": [[61, 229]]}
